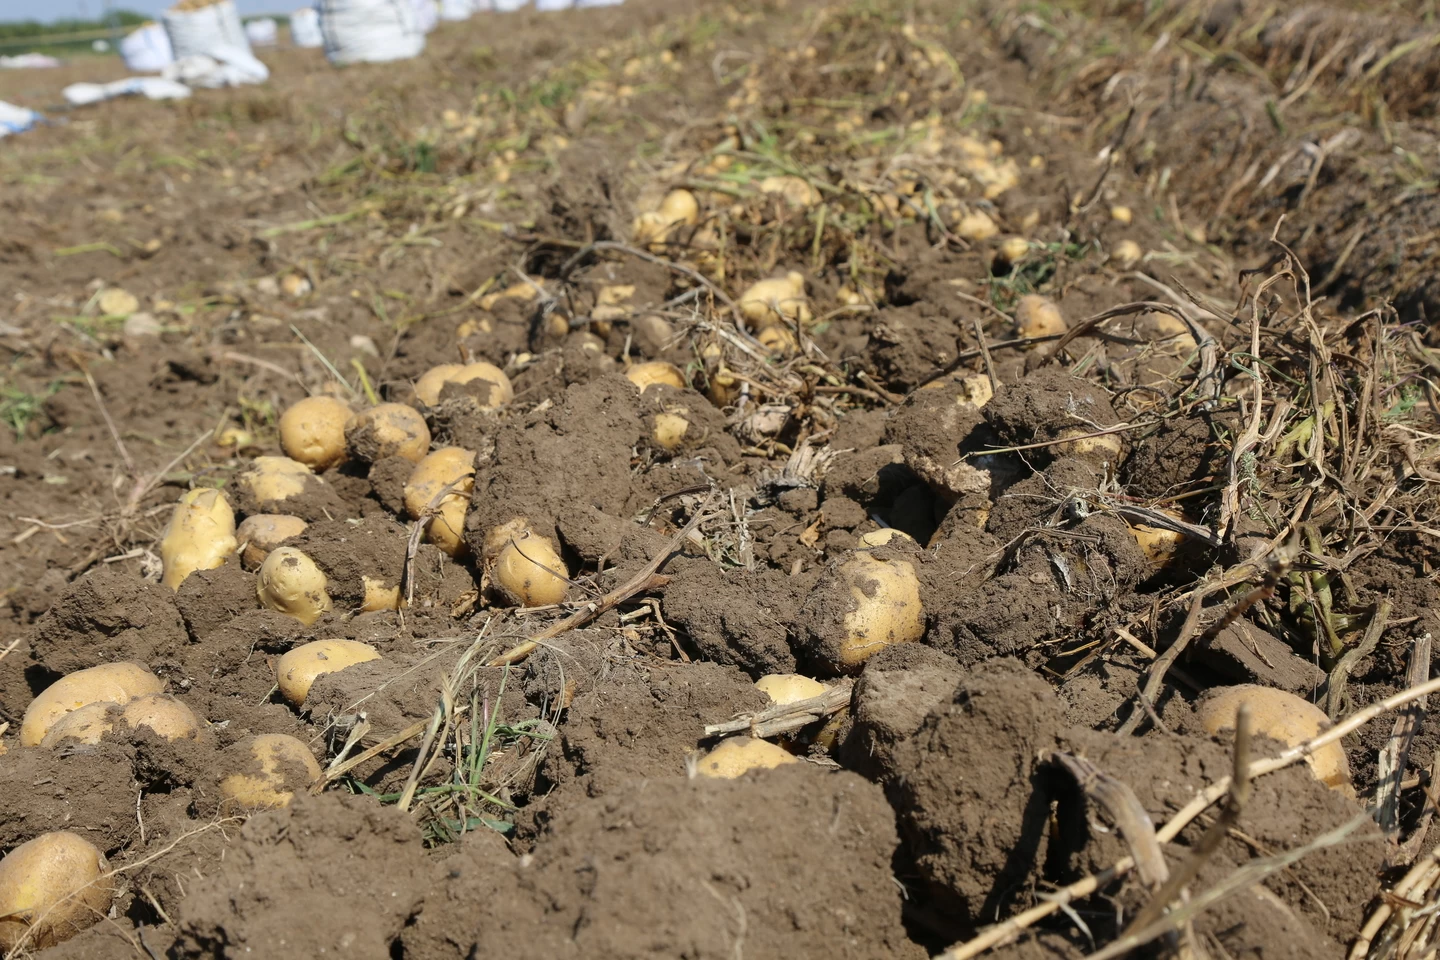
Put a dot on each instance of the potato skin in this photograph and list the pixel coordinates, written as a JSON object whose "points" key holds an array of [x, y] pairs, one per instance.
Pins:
{"points": [[52, 888], [656, 373], [108, 682], [431, 475], [273, 479], [291, 583], [312, 432], [529, 571], [388, 430], [262, 532], [737, 756], [280, 758], [200, 536], [298, 669], [1281, 716], [433, 381]]}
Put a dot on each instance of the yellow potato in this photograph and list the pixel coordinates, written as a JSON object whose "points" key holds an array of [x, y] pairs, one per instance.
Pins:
{"points": [[1127, 254], [200, 536], [274, 478], [429, 386], [285, 765], [163, 714], [388, 430], [446, 528], [1012, 250], [446, 466], [1037, 316], [669, 430], [653, 228], [796, 191], [1280, 716], [297, 669], [784, 688], [51, 888], [739, 755], [530, 572], [976, 225], [517, 291], [312, 432], [883, 602], [774, 301], [260, 533], [107, 683], [1107, 447], [378, 596], [1121, 214], [291, 583], [879, 538], [655, 373], [85, 725]]}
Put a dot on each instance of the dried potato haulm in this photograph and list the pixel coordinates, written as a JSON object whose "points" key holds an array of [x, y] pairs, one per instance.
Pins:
{"points": [[291, 583], [498, 393], [860, 607], [296, 671], [268, 769], [263, 532], [312, 432], [1283, 717], [107, 683], [528, 571], [51, 888], [388, 430], [739, 755], [200, 536]]}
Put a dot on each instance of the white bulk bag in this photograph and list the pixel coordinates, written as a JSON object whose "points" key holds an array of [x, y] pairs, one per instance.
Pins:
{"points": [[598, 3], [552, 5], [508, 6], [426, 15], [262, 32], [147, 50], [205, 30], [456, 9], [369, 31], [305, 28], [15, 119]]}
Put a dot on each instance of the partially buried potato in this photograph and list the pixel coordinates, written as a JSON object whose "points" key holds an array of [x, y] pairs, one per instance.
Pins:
{"points": [[263, 532], [268, 769], [200, 536], [296, 671], [292, 584], [739, 755], [312, 431], [444, 467], [433, 381], [161, 713], [655, 373], [1280, 716], [529, 571], [51, 888], [106, 683], [388, 430], [271, 479], [862, 606]]}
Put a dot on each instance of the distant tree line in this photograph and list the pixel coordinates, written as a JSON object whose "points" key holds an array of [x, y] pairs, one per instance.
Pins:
{"points": [[24, 29]]}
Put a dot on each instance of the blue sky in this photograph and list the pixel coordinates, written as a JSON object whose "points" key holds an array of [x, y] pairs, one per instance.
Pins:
{"points": [[53, 9]]}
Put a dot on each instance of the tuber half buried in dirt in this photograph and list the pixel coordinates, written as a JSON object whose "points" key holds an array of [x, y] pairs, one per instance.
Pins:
{"points": [[270, 479], [291, 583], [862, 606], [653, 228], [529, 571], [452, 467], [161, 713], [296, 671], [775, 301], [312, 432], [107, 683], [51, 888], [388, 430], [1037, 316], [1283, 717], [654, 373], [430, 385], [269, 769], [737, 756], [200, 536], [260, 533]]}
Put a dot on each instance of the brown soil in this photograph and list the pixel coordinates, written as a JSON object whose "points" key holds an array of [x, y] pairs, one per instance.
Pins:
{"points": [[551, 802]]}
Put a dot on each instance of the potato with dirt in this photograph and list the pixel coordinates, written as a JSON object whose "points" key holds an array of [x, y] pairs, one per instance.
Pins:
{"points": [[312, 431], [296, 671], [117, 683], [387, 430], [865, 603], [291, 583], [438, 492], [51, 888], [265, 772], [200, 536]]}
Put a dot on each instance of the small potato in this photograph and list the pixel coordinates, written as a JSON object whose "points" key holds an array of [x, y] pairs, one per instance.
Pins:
{"points": [[312, 432], [1037, 316], [882, 603], [655, 373], [523, 291], [737, 756], [1012, 251], [1121, 214], [669, 430], [429, 386], [446, 466], [263, 532], [200, 536], [796, 191], [653, 228], [378, 596], [529, 571], [269, 479], [1127, 254], [976, 225], [1106, 448], [446, 528], [297, 669], [291, 583], [163, 714], [1280, 716], [784, 688], [107, 683], [284, 763], [774, 301], [51, 888], [388, 430]]}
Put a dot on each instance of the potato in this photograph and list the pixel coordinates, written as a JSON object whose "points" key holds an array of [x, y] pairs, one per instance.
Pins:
{"points": [[297, 669], [291, 583], [1106, 448], [1280, 716], [774, 301], [669, 430], [679, 208], [107, 683], [446, 529], [878, 538], [388, 430], [796, 191], [724, 388], [429, 386], [529, 571], [116, 302], [1121, 214], [654, 373], [448, 465], [976, 225], [262, 532], [286, 765], [737, 756], [778, 340], [312, 432], [86, 725], [789, 687], [274, 478], [378, 596], [1127, 254], [164, 715], [882, 599], [1012, 251], [523, 291], [200, 536], [51, 888], [1037, 316]]}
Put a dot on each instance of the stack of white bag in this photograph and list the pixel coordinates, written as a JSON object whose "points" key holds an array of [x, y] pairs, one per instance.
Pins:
{"points": [[427, 16], [370, 31], [305, 28], [262, 32], [147, 50], [212, 32], [453, 10]]}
